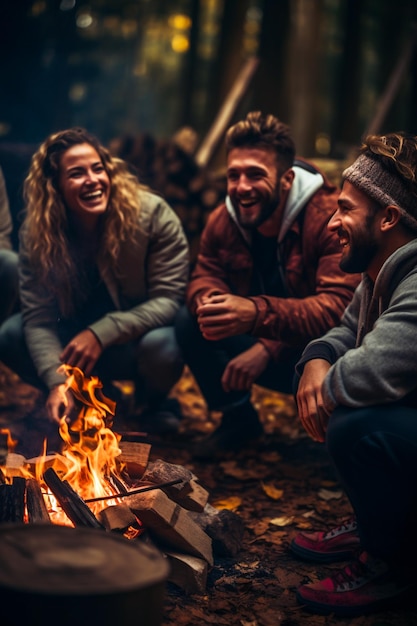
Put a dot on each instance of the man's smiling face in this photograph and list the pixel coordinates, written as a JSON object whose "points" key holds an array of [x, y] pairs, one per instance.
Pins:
{"points": [[356, 223], [253, 184]]}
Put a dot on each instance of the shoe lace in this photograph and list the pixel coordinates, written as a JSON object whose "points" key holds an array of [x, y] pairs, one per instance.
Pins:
{"points": [[357, 573], [348, 525]]}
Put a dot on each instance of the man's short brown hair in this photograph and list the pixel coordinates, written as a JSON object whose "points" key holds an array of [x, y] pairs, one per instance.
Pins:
{"points": [[263, 131]]}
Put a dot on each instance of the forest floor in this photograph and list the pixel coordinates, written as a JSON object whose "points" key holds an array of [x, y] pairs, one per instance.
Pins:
{"points": [[283, 485]]}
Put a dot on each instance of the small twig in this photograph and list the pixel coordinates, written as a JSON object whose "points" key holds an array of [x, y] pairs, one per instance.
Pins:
{"points": [[132, 433], [134, 491]]}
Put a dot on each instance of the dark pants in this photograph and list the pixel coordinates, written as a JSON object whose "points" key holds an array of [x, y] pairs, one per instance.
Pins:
{"points": [[9, 284], [374, 450], [208, 359], [153, 362]]}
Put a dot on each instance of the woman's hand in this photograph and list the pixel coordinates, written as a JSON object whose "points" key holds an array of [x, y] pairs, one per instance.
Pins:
{"points": [[83, 351], [60, 402]]}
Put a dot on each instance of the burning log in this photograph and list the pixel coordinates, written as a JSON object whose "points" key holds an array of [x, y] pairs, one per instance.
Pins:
{"points": [[18, 498], [117, 483], [73, 506], [6, 504], [3, 446], [35, 503], [12, 501]]}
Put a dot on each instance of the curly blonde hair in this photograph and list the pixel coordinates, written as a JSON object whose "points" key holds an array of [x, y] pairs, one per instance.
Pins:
{"points": [[46, 229]]}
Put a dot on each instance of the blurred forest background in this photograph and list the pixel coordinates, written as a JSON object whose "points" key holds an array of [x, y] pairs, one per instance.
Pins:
{"points": [[160, 80]]}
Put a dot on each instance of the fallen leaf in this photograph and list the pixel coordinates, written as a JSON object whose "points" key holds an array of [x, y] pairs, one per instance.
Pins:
{"points": [[231, 504], [271, 457], [271, 491], [282, 521], [326, 494], [304, 525], [259, 527], [231, 468]]}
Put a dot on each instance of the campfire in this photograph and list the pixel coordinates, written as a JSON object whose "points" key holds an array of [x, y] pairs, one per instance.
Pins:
{"points": [[99, 481]]}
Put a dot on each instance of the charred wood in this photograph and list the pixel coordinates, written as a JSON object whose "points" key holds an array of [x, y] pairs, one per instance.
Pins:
{"points": [[160, 471], [18, 499], [74, 507], [225, 528], [35, 503], [6, 504]]}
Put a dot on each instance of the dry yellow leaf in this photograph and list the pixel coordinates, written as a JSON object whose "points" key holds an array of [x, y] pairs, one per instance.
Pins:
{"points": [[282, 521], [271, 491], [230, 504], [326, 494], [256, 471]]}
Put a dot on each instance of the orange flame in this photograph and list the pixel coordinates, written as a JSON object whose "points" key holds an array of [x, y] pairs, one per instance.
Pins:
{"points": [[10, 442], [91, 447]]}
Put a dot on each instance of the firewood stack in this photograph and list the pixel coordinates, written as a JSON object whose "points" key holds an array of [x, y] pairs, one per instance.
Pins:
{"points": [[169, 168], [165, 501]]}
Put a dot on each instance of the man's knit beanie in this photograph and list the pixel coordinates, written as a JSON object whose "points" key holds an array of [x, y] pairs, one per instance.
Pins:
{"points": [[384, 185]]}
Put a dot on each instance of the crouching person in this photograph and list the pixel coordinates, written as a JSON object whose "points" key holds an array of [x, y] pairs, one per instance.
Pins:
{"points": [[9, 283], [357, 390], [267, 279], [103, 271]]}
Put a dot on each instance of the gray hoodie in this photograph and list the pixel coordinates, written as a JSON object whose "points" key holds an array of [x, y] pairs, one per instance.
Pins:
{"points": [[373, 351]]}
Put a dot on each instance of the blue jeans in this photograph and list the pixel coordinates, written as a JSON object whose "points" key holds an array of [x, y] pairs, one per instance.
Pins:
{"points": [[153, 362], [208, 359], [374, 450]]}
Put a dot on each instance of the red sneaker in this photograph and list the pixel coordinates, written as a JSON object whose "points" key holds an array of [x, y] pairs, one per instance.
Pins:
{"points": [[339, 544], [363, 586]]}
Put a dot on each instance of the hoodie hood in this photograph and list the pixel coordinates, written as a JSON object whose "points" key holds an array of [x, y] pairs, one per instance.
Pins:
{"points": [[304, 186], [401, 262]]}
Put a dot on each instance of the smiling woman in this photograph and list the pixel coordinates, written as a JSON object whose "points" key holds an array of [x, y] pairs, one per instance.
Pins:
{"points": [[102, 284], [84, 184]]}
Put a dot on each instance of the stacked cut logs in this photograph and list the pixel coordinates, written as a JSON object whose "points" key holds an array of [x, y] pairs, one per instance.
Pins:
{"points": [[169, 168], [166, 501]]}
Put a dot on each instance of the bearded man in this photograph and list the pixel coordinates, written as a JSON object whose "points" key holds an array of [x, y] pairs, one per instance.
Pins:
{"points": [[357, 390], [266, 281]]}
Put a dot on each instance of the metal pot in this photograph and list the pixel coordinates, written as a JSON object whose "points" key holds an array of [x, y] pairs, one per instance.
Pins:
{"points": [[77, 577]]}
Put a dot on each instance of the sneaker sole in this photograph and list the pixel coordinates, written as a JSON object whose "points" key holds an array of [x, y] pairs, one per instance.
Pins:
{"points": [[355, 611], [322, 557]]}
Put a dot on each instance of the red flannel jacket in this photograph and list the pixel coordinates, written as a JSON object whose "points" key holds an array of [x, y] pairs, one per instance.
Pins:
{"points": [[318, 291]]}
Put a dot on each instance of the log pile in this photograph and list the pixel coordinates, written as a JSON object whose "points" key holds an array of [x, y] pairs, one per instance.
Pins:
{"points": [[169, 168], [165, 502]]}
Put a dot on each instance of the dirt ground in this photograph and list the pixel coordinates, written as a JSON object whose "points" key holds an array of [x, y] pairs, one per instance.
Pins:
{"points": [[283, 485]]}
